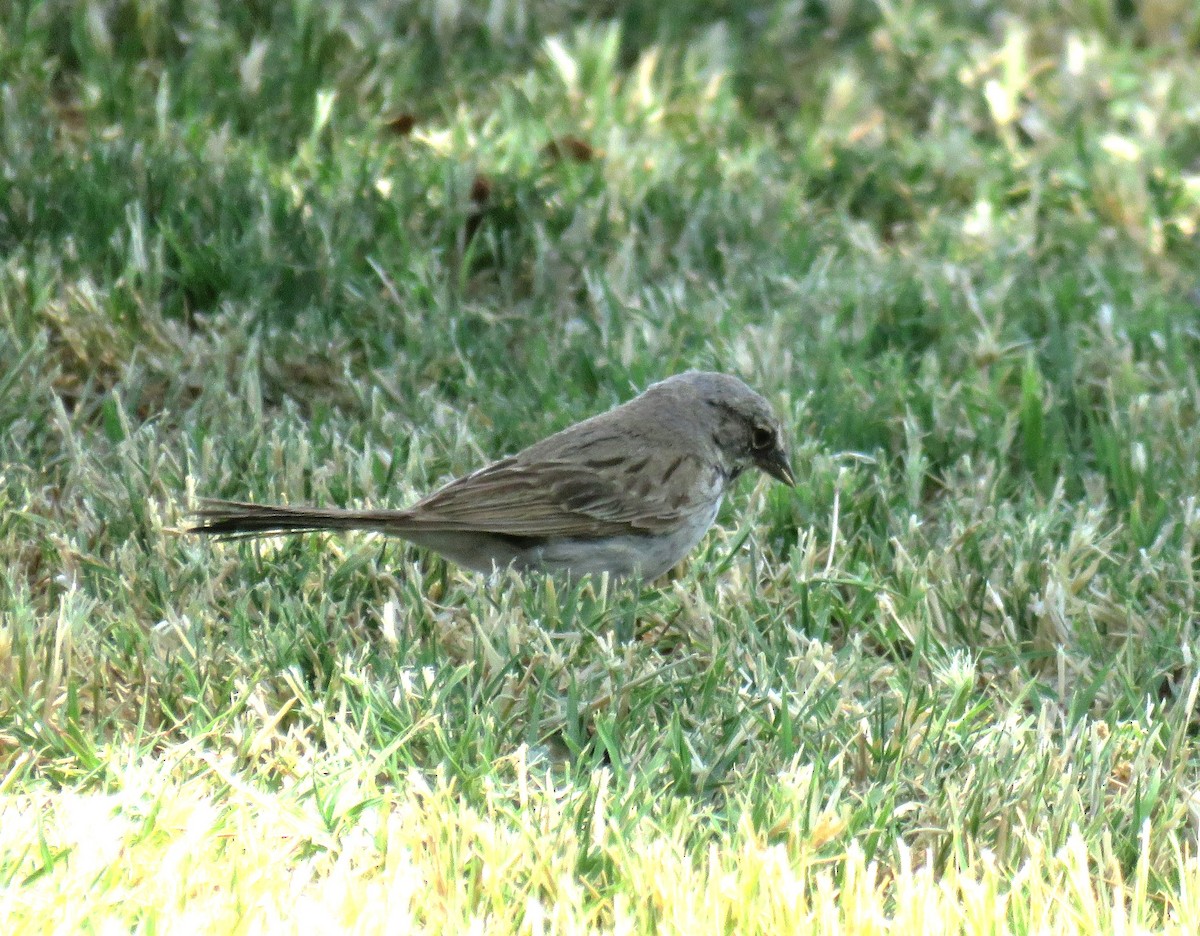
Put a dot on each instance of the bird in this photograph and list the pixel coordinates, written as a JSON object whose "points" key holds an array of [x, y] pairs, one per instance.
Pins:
{"points": [[629, 492]]}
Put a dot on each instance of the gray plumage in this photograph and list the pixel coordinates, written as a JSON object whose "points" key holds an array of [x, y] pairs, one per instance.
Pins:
{"points": [[629, 492]]}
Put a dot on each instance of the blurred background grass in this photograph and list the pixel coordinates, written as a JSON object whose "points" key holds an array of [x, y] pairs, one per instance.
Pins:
{"points": [[337, 253]]}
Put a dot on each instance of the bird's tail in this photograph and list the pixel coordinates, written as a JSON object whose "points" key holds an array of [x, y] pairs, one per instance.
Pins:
{"points": [[239, 520]]}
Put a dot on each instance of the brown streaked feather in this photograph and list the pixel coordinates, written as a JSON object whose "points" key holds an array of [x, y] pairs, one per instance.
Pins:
{"points": [[542, 499], [561, 498]]}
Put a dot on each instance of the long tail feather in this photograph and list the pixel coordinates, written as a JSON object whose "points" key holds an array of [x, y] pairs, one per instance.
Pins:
{"points": [[239, 520]]}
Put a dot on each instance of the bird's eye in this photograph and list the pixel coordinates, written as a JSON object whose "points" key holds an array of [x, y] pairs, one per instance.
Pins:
{"points": [[762, 438]]}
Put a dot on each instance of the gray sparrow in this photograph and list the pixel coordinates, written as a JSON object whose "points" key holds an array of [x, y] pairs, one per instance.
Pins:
{"points": [[629, 492]]}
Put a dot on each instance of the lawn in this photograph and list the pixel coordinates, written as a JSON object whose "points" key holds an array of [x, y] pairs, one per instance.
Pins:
{"points": [[339, 253]]}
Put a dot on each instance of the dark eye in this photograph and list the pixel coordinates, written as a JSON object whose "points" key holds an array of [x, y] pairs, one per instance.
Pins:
{"points": [[762, 438]]}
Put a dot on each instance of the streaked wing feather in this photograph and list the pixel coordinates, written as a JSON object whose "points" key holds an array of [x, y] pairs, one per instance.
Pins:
{"points": [[570, 497]]}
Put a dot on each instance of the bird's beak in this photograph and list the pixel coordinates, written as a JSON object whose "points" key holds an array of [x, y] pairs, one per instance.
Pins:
{"points": [[775, 463]]}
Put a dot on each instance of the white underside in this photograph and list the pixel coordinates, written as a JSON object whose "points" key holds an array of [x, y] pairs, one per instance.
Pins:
{"points": [[645, 557]]}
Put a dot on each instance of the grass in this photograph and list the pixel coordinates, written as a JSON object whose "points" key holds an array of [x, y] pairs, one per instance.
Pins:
{"points": [[338, 253]]}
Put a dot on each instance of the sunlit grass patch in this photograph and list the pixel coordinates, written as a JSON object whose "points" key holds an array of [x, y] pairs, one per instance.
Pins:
{"points": [[194, 849]]}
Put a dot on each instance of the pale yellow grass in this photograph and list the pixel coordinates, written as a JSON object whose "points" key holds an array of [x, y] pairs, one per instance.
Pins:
{"points": [[196, 850]]}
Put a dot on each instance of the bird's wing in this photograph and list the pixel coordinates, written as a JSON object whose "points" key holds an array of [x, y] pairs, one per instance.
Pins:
{"points": [[601, 494]]}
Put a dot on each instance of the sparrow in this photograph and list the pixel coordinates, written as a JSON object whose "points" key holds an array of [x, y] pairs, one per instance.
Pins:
{"points": [[629, 492]]}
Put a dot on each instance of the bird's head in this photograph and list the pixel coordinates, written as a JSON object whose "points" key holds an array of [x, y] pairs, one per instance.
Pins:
{"points": [[741, 424]]}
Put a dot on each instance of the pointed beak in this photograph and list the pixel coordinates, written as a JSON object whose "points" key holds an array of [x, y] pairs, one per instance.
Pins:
{"points": [[775, 463]]}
